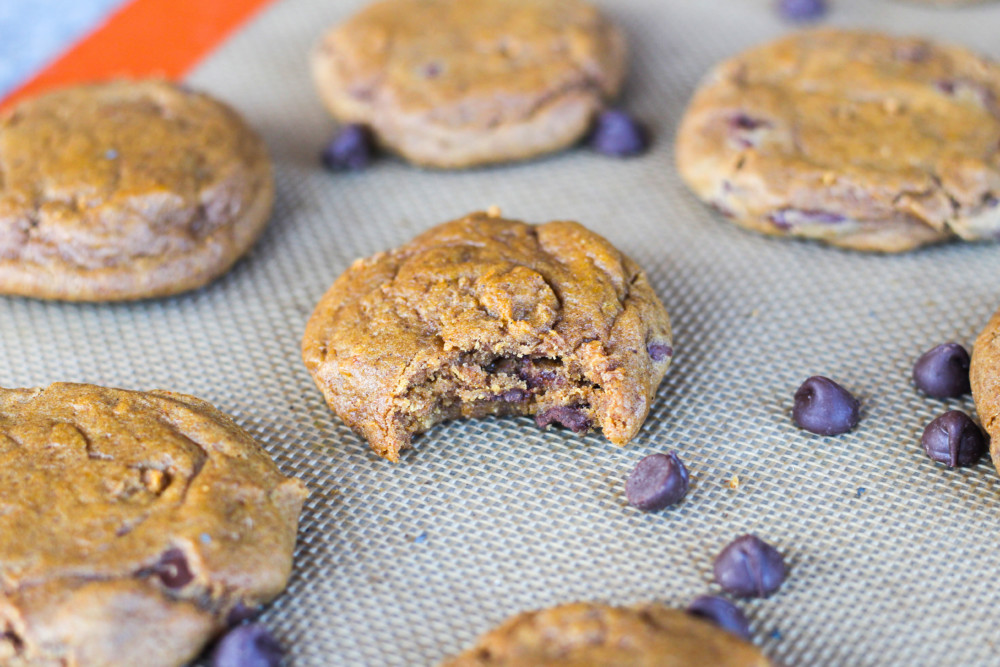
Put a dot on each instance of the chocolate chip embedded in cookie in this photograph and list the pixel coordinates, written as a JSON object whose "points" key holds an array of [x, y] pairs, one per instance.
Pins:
{"points": [[858, 139], [596, 634], [486, 316], [452, 83], [133, 524], [126, 190]]}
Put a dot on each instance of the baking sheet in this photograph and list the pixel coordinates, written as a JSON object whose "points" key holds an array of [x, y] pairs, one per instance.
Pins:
{"points": [[892, 556]]}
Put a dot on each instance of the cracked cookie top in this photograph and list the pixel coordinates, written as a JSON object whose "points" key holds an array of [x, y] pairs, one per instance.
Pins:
{"points": [[596, 634], [126, 190], [119, 504], [857, 138], [475, 82], [483, 310]]}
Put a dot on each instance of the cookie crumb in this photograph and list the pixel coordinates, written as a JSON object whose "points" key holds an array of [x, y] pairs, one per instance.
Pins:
{"points": [[493, 211], [733, 482], [155, 480], [892, 106]]}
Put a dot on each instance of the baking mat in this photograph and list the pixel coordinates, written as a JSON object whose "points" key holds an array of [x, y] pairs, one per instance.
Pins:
{"points": [[892, 556]]}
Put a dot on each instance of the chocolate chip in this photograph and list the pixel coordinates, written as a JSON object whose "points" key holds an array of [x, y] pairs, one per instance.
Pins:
{"points": [[351, 148], [749, 567], [946, 87], [943, 371], [787, 218], [824, 407], [802, 10], [241, 612], [659, 351], [954, 439], [514, 396], [572, 418], [173, 569], [658, 481], [432, 70], [541, 373], [722, 613], [742, 121], [618, 134], [247, 646]]}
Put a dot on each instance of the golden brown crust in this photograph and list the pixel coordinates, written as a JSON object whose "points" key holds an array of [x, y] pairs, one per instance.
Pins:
{"points": [[580, 635], [484, 315], [495, 80], [126, 190], [984, 375], [855, 138], [105, 489]]}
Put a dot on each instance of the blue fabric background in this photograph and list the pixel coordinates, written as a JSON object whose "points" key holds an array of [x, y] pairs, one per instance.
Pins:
{"points": [[34, 32]]}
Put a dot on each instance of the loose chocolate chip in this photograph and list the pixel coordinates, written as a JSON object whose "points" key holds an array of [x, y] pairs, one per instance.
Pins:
{"points": [[572, 418], [722, 613], [802, 10], [749, 567], [954, 439], [618, 134], [351, 148], [173, 569], [822, 406], [943, 371], [658, 481], [247, 646], [659, 351], [241, 612]]}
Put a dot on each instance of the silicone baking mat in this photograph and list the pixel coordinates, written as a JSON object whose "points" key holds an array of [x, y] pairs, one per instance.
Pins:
{"points": [[892, 556]]}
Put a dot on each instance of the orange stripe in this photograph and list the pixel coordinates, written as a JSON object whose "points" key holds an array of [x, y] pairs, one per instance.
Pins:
{"points": [[144, 38]]}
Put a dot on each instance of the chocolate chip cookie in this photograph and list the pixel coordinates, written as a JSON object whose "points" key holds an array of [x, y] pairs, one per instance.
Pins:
{"points": [[452, 83], [984, 376], [126, 190], [595, 634], [133, 524], [854, 138], [487, 316]]}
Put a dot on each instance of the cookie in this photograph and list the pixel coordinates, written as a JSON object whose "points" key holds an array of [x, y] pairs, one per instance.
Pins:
{"points": [[133, 524], [854, 138], [452, 83], [595, 634], [984, 376], [126, 190], [486, 316]]}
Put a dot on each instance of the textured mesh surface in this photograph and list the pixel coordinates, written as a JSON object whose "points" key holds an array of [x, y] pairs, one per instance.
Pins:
{"points": [[891, 554]]}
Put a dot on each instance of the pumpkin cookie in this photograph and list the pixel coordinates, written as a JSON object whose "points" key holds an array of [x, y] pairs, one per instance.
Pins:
{"points": [[595, 634], [487, 316], [126, 190], [854, 138], [453, 83], [133, 525], [984, 377]]}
